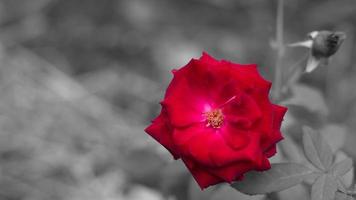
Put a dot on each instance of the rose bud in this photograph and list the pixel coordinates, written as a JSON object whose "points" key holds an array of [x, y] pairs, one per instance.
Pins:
{"points": [[217, 117], [322, 44]]}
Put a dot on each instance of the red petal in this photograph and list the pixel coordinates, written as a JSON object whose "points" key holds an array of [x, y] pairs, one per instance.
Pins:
{"points": [[279, 112], [184, 106], [235, 137], [206, 58], [243, 111], [234, 171], [201, 176], [208, 76], [248, 77], [271, 151], [265, 125], [252, 75], [227, 92], [161, 131], [207, 146], [196, 142], [178, 77], [222, 154], [202, 144], [274, 134]]}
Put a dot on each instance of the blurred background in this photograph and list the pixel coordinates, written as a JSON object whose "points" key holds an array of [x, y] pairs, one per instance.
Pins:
{"points": [[80, 80]]}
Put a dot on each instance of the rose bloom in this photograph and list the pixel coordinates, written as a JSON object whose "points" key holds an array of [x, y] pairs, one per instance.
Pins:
{"points": [[216, 116]]}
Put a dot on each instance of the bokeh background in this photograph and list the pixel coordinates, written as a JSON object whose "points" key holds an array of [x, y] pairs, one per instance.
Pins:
{"points": [[80, 80]]}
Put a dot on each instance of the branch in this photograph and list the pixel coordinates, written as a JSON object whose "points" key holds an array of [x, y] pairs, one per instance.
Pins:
{"points": [[280, 51]]}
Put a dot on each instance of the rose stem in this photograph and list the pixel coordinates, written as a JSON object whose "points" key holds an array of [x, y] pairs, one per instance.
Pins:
{"points": [[293, 74], [280, 51]]}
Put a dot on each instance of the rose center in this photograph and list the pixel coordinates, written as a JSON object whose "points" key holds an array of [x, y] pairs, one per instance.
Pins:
{"points": [[214, 118]]}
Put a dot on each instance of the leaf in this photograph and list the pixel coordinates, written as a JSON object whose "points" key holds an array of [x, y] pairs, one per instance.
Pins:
{"points": [[324, 188], [347, 178], [341, 168], [297, 192], [342, 196], [227, 193], [340, 185], [280, 177], [317, 151]]}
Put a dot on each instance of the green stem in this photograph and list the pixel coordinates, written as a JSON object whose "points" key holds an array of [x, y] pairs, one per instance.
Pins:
{"points": [[280, 51]]}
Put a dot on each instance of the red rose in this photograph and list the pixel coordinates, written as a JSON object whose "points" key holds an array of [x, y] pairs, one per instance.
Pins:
{"points": [[216, 116]]}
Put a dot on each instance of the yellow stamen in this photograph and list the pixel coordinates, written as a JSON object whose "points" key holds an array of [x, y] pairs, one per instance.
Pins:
{"points": [[214, 118]]}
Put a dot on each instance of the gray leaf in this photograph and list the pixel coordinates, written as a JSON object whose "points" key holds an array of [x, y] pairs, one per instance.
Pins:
{"points": [[342, 196], [228, 193], [340, 185], [341, 168], [316, 149], [280, 177], [324, 188]]}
